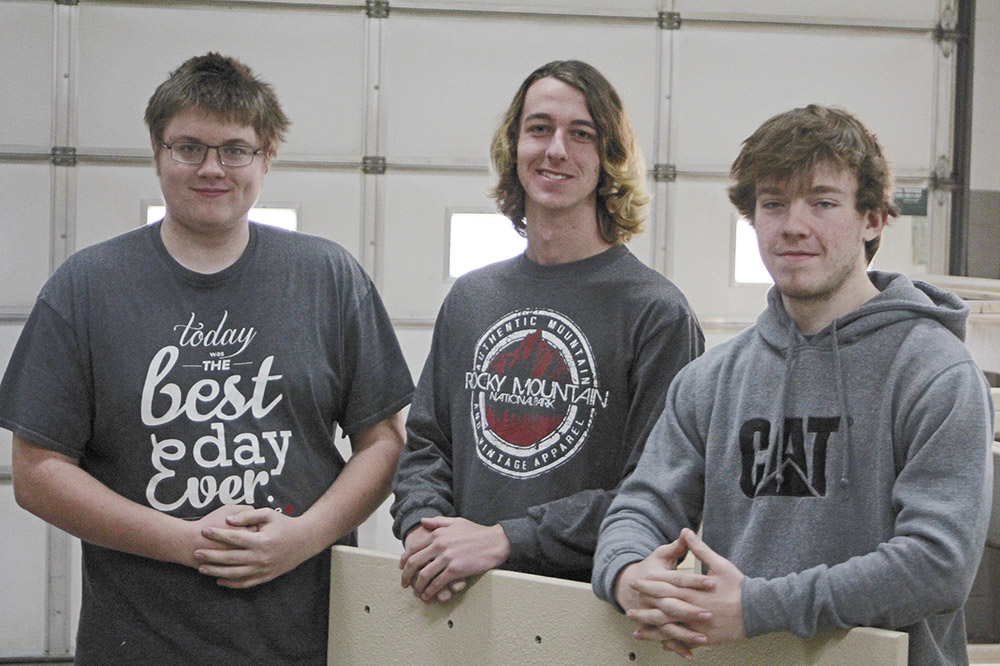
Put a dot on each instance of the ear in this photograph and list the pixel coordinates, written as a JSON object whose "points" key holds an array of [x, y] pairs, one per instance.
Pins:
{"points": [[157, 146], [875, 223]]}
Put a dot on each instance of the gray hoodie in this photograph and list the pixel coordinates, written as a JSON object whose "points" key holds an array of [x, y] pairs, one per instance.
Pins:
{"points": [[848, 474]]}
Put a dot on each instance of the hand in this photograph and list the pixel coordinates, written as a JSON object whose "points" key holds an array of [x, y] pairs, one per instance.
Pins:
{"points": [[445, 551], [647, 590], [720, 596], [418, 538], [217, 520], [253, 547]]}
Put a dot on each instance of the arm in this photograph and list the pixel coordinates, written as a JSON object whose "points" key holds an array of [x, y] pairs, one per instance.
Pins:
{"points": [[283, 542], [53, 487], [662, 496], [423, 481]]}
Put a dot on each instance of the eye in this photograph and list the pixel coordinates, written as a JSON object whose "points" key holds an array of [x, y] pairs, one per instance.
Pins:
{"points": [[770, 204], [825, 203], [188, 148], [583, 135], [236, 151], [536, 130]]}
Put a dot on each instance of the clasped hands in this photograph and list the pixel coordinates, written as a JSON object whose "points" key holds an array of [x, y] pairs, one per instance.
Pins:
{"points": [[442, 552], [683, 610], [242, 546]]}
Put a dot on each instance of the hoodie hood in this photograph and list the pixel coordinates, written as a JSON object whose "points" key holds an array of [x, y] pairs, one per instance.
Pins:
{"points": [[901, 299]]}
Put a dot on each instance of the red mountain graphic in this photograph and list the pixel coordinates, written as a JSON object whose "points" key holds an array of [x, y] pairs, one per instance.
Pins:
{"points": [[531, 358]]}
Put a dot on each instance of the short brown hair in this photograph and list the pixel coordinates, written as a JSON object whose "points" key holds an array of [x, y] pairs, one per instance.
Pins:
{"points": [[793, 143], [622, 198], [221, 86]]}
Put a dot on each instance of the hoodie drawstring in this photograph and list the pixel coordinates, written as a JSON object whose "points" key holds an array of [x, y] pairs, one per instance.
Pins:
{"points": [[845, 472]]}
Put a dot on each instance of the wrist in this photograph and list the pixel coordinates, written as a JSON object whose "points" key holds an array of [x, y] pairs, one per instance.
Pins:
{"points": [[502, 546], [622, 591]]}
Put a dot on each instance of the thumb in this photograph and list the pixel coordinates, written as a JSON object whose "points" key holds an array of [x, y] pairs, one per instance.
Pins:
{"points": [[435, 522], [712, 560], [670, 553], [251, 517]]}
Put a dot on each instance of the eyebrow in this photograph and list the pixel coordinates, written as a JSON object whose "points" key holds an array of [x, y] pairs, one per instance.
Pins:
{"points": [[186, 138], [816, 189], [539, 115]]}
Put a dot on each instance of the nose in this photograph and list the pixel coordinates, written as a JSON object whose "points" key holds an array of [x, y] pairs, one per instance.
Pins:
{"points": [[795, 223], [556, 150], [212, 163]]}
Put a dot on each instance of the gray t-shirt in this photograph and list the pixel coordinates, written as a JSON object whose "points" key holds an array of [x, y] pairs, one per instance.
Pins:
{"points": [[183, 391]]}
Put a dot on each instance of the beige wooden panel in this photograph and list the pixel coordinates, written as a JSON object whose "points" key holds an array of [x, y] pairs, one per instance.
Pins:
{"points": [[510, 619]]}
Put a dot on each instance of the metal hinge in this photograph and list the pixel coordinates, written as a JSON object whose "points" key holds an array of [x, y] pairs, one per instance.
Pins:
{"points": [[664, 173], [377, 8], [63, 156], [669, 20], [943, 178], [373, 164], [945, 32]]}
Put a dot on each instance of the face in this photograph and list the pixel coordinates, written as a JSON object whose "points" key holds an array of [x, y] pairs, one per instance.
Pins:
{"points": [[557, 159], [208, 197], [811, 237]]}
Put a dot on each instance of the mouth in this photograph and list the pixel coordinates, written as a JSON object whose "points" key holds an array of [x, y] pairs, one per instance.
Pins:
{"points": [[794, 256], [552, 175]]}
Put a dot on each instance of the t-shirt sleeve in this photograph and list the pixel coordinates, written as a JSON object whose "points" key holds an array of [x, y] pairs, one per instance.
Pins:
{"points": [[378, 382], [46, 393]]}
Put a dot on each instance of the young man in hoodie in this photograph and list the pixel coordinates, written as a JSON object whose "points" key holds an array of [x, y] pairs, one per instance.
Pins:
{"points": [[547, 370], [836, 454]]}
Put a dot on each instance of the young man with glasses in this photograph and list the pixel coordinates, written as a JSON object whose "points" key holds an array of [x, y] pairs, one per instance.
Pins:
{"points": [[175, 394], [837, 454]]}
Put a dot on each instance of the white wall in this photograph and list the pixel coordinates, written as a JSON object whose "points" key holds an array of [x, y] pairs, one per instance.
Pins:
{"points": [[423, 89]]}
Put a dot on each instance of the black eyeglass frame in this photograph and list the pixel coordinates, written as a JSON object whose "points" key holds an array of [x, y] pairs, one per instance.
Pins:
{"points": [[222, 160]]}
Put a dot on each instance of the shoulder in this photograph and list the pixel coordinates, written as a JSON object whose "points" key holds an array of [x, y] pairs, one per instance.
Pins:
{"points": [[644, 285], [104, 263], [724, 360], [486, 279], [301, 245], [121, 247], [310, 257]]}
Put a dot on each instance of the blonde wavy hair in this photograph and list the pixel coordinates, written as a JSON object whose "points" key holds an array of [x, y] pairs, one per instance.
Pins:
{"points": [[622, 197]]}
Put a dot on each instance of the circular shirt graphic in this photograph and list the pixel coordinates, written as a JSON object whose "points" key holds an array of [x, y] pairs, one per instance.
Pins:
{"points": [[534, 392]]}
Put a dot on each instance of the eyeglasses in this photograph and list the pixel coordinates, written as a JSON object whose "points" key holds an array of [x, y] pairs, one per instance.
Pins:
{"points": [[232, 155]]}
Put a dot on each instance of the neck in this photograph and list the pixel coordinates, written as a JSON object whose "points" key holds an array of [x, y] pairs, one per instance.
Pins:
{"points": [[560, 240], [205, 253], [812, 315]]}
